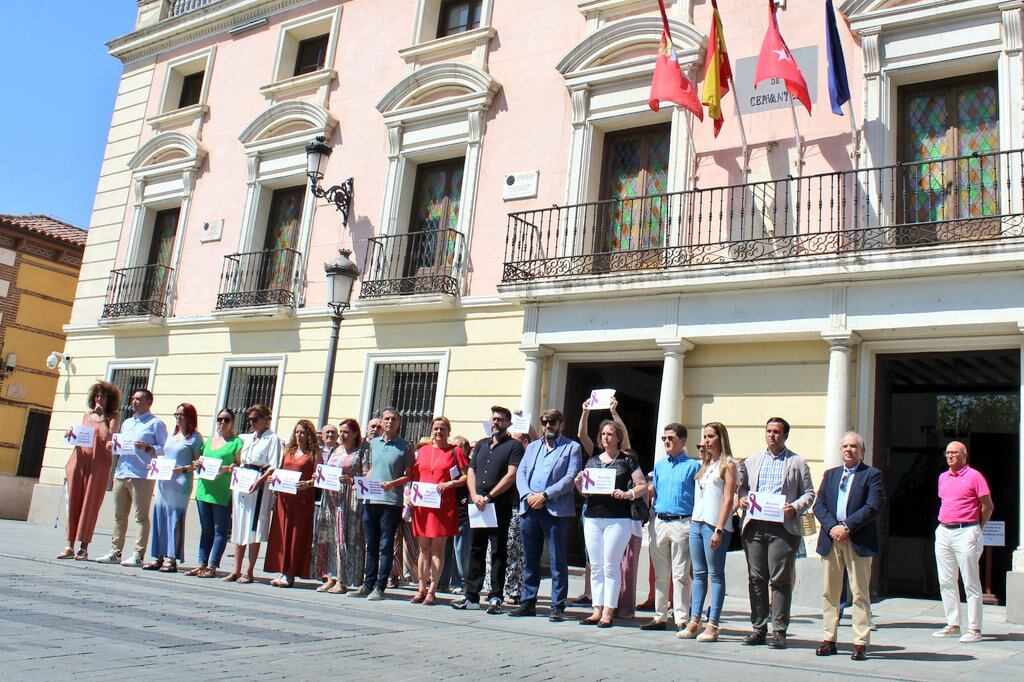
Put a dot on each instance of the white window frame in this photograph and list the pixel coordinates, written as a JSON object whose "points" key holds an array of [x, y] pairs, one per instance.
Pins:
{"points": [[427, 48], [147, 363], [283, 84], [226, 364], [375, 358], [168, 112]]}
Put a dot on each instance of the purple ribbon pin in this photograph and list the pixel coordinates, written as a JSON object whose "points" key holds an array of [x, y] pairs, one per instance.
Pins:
{"points": [[362, 487], [587, 480], [319, 474], [153, 468], [416, 494], [753, 503], [234, 476]]}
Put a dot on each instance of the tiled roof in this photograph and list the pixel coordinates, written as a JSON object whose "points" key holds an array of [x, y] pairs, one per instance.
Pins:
{"points": [[48, 227]]}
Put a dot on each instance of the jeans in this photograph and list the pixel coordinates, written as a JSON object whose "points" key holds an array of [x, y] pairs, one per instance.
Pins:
{"points": [[606, 545], [456, 558], [538, 526], [380, 521], [708, 564], [215, 520]]}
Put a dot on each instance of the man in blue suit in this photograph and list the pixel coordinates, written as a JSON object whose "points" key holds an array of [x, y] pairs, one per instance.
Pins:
{"points": [[850, 498], [544, 480]]}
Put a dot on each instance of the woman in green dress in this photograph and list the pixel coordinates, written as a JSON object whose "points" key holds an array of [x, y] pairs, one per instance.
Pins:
{"points": [[213, 497]]}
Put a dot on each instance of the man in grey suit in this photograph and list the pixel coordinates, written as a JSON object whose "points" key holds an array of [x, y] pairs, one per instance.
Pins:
{"points": [[771, 546]]}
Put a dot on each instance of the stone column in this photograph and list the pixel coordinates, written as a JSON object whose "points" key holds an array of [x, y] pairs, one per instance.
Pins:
{"points": [[1015, 576], [532, 375], [670, 404], [837, 402]]}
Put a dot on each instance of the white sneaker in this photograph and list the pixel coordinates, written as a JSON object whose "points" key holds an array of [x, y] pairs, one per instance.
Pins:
{"points": [[135, 560], [109, 558], [948, 631], [971, 637]]}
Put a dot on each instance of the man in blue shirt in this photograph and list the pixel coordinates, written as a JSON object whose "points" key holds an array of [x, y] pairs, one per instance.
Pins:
{"points": [[147, 434], [669, 532], [544, 481]]}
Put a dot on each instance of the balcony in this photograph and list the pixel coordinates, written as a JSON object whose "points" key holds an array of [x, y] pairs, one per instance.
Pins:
{"points": [[901, 209], [139, 292], [179, 7], [259, 282], [422, 265]]}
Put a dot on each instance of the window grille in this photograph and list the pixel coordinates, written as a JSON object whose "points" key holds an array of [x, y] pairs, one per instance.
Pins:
{"points": [[410, 388], [248, 386]]}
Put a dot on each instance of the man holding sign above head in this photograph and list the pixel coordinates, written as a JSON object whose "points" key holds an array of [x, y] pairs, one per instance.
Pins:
{"points": [[491, 479], [390, 468], [775, 490], [544, 482], [140, 440]]}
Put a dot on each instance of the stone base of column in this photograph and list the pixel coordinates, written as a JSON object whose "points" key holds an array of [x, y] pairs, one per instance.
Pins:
{"points": [[1015, 597]]}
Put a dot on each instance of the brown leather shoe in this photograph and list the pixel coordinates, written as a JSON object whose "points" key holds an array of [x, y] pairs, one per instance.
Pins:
{"points": [[860, 653], [826, 648]]}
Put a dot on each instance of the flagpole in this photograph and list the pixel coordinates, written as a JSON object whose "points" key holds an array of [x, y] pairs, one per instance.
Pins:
{"points": [[799, 140], [743, 132], [856, 135]]}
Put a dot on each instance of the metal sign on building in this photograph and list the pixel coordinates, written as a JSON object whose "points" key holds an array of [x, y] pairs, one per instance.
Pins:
{"points": [[773, 94]]}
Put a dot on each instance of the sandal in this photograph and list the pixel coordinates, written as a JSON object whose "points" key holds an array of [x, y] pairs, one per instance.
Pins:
{"points": [[690, 631], [286, 583], [244, 580], [338, 589], [231, 577], [195, 571], [67, 553], [328, 584], [418, 598], [81, 555], [169, 567], [208, 572], [430, 600], [710, 634], [154, 565]]}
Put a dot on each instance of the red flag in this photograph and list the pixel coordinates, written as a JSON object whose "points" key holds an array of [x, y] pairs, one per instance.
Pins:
{"points": [[669, 84], [776, 61]]}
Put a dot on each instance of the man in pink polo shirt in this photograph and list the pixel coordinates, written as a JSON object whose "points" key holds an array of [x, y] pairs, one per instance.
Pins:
{"points": [[966, 507]]}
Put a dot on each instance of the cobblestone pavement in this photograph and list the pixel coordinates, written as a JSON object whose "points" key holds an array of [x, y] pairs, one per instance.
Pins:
{"points": [[91, 621]]}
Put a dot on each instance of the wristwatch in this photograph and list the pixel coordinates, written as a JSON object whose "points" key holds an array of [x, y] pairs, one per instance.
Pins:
{"points": [[546, 498], [719, 531]]}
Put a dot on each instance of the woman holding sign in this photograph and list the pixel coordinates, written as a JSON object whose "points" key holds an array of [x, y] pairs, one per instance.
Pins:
{"points": [[440, 468], [88, 470], [167, 541], [291, 532], [711, 528], [609, 482], [339, 528], [213, 493], [251, 501]]}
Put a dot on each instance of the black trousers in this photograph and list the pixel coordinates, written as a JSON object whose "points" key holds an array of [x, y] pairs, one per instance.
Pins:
{"points": [[498, 538]]}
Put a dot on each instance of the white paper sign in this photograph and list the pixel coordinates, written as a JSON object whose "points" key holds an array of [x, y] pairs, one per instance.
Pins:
{"points": [[598, 481], [521, 423], [994, 534], [766, 506], [369, 489], [82, 435], [488, 428], [328, 477], [601, 398], [284, 481], [121, 446], [424, 495], [208, 468], [242, 479], [160, 468], [487, 518]]}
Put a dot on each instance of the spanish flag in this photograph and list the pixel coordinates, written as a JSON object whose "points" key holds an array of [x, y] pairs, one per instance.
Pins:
{"points": [[717, 72]]}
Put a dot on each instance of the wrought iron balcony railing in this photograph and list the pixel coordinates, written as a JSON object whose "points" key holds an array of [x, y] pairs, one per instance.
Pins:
{"points": [[186, 6], [971, 198], [428, 262], [138, 291], [259, 278]]}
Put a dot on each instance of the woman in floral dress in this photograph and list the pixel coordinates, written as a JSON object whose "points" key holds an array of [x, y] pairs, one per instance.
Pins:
{"points": [[339, 544]]}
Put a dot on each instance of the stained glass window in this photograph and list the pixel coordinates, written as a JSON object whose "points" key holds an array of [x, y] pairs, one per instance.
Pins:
{"points": [[636, 167], [435, 217], [282, 233]]}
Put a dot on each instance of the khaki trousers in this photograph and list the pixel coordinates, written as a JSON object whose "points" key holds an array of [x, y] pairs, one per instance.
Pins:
{"points": [[670, 553], [127, 491], [842, 558]]}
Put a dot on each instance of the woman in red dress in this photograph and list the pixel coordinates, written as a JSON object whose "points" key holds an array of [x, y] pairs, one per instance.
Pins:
{"points": [[445, 465], [88, 470], [291, 532]]}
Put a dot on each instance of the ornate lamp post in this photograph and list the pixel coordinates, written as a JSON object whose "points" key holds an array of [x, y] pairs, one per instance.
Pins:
{"points": [[339, 195], [342, 274]]}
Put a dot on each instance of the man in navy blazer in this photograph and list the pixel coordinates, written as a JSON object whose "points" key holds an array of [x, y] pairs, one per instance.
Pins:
{"points": [[850, 499], [544, 480]]}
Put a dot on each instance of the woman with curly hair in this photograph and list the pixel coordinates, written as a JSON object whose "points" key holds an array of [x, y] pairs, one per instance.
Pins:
{"points": [[290, 550], [184, 446], [88, 469]]}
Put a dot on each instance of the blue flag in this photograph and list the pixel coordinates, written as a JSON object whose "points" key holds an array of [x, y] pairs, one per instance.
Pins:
{"points": [[838, 84]]}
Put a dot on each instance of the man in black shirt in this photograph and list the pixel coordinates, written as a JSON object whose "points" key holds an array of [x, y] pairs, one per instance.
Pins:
{"points": [[492, 480]]}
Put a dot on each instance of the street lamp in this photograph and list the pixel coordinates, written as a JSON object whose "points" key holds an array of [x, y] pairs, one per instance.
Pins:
{"points": [[342, 274], [339, 195]]}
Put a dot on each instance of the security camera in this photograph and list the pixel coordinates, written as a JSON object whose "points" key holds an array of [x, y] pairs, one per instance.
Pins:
{"points": [[56, 358]]}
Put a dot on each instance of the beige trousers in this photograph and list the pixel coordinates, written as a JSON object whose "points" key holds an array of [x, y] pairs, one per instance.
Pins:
{"points": [[669, 547], [127, 491], [842, 557]]}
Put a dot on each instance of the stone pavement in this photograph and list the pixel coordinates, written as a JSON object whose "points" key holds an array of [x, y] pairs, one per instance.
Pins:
{"points": [[91, 621]]}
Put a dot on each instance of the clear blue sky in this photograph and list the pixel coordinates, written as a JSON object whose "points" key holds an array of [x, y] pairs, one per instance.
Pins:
{"points": [[59, 85]]}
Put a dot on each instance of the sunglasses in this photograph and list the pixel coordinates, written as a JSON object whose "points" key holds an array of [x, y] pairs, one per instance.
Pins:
{"points": [[549, 422], [666, 439], [179, 415], [224, 420]]}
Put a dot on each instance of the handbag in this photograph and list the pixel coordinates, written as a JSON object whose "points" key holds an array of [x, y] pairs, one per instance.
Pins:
{"points": [[639, 510], [808, 524]]}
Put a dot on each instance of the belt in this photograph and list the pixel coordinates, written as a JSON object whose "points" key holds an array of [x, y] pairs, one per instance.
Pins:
{"points": [[259, 495], [671, 517], [954, 526]]}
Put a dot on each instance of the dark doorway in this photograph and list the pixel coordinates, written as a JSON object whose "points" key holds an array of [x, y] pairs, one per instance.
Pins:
{"points": [[923, 401], [637, 387], [30, 462]]}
